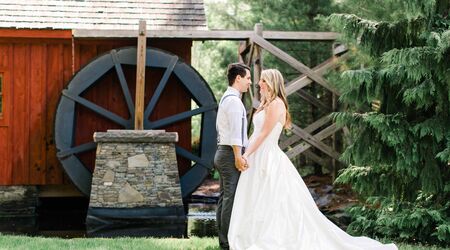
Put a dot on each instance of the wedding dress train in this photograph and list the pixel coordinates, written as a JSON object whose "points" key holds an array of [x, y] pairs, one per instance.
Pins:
{"points": [[273, 208]]}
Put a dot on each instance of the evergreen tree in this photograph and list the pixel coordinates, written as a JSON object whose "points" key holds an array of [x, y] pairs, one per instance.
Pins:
{"points": [[399, 153]]}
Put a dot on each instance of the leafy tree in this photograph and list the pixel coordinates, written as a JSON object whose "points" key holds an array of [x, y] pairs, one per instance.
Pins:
{"points": [[212, 57], [399, 154]]}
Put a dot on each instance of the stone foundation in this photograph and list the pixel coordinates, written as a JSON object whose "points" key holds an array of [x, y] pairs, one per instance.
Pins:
{"points": [[18, 208], [18, 201], [135, 177]]}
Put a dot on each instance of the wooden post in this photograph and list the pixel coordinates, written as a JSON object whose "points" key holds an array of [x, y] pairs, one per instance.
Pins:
{"points": [[334, 163], [140, 77], [255, 52], [336, 50], [242, 47], [257, 66]]}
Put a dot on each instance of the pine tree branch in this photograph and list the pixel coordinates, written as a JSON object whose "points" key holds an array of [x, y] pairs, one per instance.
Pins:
{"points": [[379, 37]]}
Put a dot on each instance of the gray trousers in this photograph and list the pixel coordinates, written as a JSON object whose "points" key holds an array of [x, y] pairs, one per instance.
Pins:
{"points": [[229, 176]]}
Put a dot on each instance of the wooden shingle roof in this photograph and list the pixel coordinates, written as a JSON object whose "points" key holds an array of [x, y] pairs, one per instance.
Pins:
{"points": [[103, 14]]}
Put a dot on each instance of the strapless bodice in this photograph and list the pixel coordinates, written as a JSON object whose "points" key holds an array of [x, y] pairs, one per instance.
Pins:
{"points": [[258, 121]]}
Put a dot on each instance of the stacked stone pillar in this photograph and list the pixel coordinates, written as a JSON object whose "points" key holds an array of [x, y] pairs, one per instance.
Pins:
{"points": [[135, 179]]}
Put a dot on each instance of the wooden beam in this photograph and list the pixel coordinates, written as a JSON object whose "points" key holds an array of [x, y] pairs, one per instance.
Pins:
{"points": [[140, 77], [244, 48], [310, 129], [257, 69], [250, 92], [35, 33], [315, 142], [202, 35], [300, 35], [303, 146], [321, 161], [303, 80], [334, 140], [312, 100], [257, 63], [250, 55], [339, 50], [292, 62]]}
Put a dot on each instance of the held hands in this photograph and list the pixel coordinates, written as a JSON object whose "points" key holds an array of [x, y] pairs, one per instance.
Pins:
{"points": [[241, 163]]}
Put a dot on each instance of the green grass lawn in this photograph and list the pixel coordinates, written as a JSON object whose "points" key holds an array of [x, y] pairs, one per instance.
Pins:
{"points": [[38, 243]]}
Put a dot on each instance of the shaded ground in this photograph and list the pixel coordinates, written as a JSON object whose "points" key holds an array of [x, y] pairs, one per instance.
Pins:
{"points": [[340, 196], [331, 200], [327, 197]]}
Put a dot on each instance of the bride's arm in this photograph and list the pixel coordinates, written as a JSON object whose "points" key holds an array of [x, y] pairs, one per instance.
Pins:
{"points": [[273, 112]]}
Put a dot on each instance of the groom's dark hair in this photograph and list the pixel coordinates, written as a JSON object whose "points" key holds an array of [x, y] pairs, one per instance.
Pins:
{"points": [[235, 69]]}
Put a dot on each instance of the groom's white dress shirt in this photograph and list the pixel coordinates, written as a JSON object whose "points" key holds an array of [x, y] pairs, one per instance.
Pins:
{"points": [[231, 120]]}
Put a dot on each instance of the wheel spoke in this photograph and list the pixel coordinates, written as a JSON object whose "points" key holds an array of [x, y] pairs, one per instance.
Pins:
{"points": [[96, 108], [181, 116], [162, 84], [76, 150], [67, 127], [190, 156], [123, 82]]}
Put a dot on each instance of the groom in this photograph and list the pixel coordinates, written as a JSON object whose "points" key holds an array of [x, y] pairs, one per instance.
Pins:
{"points": [[231, 127]]}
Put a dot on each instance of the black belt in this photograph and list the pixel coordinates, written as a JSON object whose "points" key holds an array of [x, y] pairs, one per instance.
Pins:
{"points": [[228, 147]]}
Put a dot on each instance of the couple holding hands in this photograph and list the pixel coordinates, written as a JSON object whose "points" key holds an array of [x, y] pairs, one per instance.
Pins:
{"points": [[264, 203]]}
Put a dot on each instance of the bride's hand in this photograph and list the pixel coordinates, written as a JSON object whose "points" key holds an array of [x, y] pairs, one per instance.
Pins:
{"points": [[244, 156]]}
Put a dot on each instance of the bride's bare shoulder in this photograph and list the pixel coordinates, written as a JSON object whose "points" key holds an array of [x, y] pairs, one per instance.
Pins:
{"points": [[276, 104]]}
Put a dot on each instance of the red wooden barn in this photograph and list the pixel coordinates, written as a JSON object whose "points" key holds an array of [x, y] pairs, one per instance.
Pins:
{"points": [[44, 43]]}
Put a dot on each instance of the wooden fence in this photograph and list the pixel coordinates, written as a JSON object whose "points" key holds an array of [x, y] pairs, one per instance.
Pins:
{"points": [[312, 136]]}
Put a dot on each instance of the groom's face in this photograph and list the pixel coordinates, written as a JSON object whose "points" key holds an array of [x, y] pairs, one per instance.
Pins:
{"points": [[244, 82]]}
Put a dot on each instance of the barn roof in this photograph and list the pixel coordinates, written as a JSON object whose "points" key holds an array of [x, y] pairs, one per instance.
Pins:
{"points": [[103, 14]]}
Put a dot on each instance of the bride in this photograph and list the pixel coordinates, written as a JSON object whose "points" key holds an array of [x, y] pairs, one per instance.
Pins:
{"points": [[273, 208]]}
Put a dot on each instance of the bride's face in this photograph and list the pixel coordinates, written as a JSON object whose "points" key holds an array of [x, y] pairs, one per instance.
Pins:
{"points": [[263, 88]]}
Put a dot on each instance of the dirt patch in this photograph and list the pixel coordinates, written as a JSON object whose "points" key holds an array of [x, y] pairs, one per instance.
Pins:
{"points": [[328, 197]]}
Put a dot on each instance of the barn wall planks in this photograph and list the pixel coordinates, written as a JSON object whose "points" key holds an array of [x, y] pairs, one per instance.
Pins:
{"points": [[5, 135], [5, 163], [20, 104], [36, 70], [36, 79], [37, 114]]}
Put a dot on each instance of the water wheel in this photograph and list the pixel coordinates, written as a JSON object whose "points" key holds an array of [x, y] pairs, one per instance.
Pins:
{"points": [[118, 63]]}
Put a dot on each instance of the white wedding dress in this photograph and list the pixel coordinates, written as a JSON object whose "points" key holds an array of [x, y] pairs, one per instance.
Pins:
{"points": [[274, 210]]}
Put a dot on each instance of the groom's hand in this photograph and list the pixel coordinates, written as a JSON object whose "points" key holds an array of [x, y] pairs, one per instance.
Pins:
{"points": [[245, 166], [241, 163]]}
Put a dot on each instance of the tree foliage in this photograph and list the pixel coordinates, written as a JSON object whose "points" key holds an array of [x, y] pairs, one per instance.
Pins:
{"points": [[212, 57], [399, 151], [399, 156]]}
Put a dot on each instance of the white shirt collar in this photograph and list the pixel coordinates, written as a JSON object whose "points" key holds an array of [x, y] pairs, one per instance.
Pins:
{"points": [[233, 91]]}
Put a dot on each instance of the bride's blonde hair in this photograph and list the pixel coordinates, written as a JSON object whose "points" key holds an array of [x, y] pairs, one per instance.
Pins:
{"points": [[275, 83]]}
